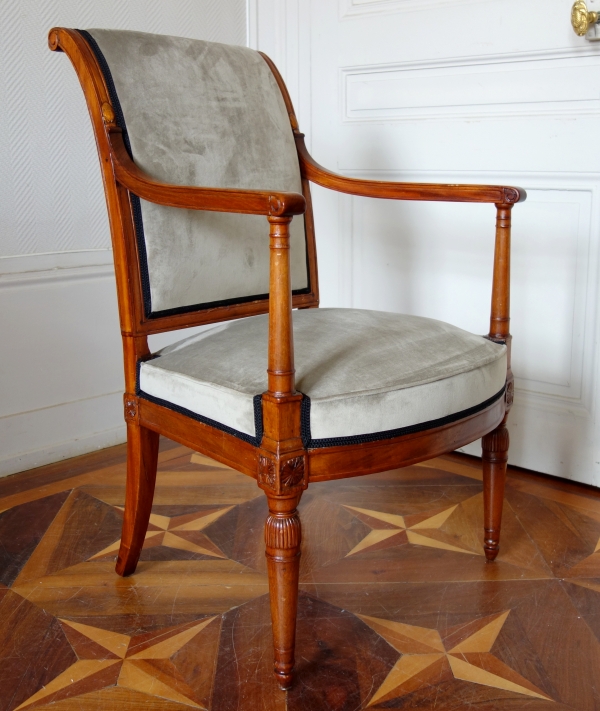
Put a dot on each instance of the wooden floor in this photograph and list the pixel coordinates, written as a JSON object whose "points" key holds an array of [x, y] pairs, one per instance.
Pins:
{"points": [[398, 608]]}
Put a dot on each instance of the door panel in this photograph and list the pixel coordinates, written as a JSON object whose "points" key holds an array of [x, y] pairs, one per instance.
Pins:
{"points": [[466, 91]]}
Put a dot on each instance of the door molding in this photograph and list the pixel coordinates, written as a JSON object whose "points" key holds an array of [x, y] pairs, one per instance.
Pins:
{"points": [[352, 8], [481, 87], [574, 396]]}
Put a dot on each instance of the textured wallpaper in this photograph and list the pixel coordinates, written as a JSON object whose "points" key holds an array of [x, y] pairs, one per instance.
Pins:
{"points": [[51, 196]]}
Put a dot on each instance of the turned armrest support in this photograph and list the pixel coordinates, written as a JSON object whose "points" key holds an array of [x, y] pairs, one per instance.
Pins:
{"points": [[251, 202], [314, 172], [281, 403], [281, 335], [500, 311]]}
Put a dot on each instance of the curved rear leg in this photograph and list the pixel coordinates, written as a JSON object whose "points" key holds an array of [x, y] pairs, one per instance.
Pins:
{"points": [[142, 460]]}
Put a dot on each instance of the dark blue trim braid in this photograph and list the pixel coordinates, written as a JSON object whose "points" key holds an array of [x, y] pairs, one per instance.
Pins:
{"points": [[222, 302], [305, 421], [138, 367], [310, 443], [256, 402], [135, 201], [258, 418], [137, 213], [120, 118], [305, 432], [213, 423]]}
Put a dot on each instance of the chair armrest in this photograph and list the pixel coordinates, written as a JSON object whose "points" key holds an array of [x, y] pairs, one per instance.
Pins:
{"points": [[497, 194], [251, 202]]}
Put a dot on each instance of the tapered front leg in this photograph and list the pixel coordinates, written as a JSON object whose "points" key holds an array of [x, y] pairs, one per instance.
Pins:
{"points": [[282, 464], [142, 460], [495, 458], [282, 537]]}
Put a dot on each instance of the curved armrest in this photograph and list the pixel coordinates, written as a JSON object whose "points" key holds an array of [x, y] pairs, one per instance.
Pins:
{"points": [[251, 202], [497, 194]]}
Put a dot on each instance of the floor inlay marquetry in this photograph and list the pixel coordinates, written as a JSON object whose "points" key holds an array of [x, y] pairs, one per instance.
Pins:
{"points": [[398, 608], [421, 530], [146, 663], [463, 653]]}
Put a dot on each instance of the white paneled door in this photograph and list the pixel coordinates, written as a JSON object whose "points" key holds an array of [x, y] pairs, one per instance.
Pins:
{"points": [[493, 91]]}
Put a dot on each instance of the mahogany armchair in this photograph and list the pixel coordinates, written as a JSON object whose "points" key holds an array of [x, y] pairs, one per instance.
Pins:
{"points": [[200, 152]]}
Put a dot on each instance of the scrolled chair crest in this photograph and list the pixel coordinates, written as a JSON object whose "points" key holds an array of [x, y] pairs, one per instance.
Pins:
{"points": [[53, 39]]}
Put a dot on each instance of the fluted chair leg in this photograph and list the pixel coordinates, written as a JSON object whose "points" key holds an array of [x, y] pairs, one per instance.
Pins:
{"points": [[495, 458], [282, 537], [142, 460]]}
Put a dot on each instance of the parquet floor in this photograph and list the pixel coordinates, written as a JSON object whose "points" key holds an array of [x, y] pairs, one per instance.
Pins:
{"points": [[398, 608]]}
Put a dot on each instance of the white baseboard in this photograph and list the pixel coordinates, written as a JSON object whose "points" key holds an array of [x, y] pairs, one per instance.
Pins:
{"points": [[49, 435], [61, 380], [52, 261]]}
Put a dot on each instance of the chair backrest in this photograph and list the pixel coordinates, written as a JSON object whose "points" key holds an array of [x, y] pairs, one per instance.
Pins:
{"points": [[205, 114]]}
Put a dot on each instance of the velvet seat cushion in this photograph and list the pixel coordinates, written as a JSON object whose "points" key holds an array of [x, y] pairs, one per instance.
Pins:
{"points": [[363, 373]]}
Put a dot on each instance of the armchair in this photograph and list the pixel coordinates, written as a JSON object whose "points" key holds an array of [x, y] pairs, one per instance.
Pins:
{"points": [[200, 153]]}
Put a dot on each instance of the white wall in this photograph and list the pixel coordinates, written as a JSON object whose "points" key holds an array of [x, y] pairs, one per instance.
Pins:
{"points": [[61, 378], [287, 30]]}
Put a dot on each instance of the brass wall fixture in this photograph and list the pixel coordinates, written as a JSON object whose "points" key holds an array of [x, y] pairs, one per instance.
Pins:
{"points": [[582, 19]]}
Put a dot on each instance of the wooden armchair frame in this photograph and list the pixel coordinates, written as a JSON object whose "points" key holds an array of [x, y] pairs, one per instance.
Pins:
{"points": [[281, 464]]}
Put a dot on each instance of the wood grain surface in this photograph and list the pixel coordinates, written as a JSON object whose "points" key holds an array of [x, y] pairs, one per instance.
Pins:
{"points": [[397, 606]]}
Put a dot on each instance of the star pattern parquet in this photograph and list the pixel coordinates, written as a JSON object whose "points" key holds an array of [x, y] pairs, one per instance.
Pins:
{"points": [[398, 608]]}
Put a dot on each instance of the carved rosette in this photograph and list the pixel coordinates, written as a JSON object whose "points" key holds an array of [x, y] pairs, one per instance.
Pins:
{"points": [[130, 403], [283, 531], [511, 195], [266, 473], [283, 476], [292, 473], [497, 441]]}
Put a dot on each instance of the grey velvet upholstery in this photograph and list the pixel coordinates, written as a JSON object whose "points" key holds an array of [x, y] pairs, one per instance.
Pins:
{"points": [[206, 114], [364, 371]]}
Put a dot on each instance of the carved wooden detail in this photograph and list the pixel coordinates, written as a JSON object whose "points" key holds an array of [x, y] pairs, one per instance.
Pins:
{"points": [[130, 403], [53, 40], [267, 475], [496, 442], [283, 534], [511, 195], [292, 473], [283, 531], [108, 114], [282, 476]]}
